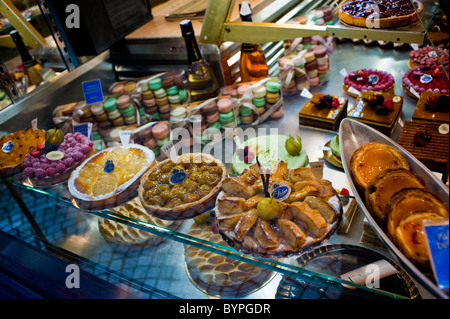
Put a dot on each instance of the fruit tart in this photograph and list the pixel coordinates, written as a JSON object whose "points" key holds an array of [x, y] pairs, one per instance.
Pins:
{"points": [[218, 275], [14, 148], [381, 13], [53, 162], [428, 56], [425, 79], [324, 111], [277, 216], [368, 80], [110, 177], [183, 188]]}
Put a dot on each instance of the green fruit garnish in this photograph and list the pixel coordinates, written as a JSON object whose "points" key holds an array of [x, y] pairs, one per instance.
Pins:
{"points": [[293, 146], [54, 136], [268, 208]]}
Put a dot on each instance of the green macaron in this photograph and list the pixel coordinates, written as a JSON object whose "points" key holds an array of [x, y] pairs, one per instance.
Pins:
{"points": [[259, 102], [155, 84], [226, 117], [245, 111], [273, 86], [110, 105]]}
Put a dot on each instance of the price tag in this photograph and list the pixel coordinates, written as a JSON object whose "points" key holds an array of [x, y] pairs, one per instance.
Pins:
{"points": [[414, 92], [437, 240], [34, 123], [317, 168], [92, 91], [83, 128], [306, 93], [167, 150], [125, 137], [414, 46], [351, 89], [343, 72]]}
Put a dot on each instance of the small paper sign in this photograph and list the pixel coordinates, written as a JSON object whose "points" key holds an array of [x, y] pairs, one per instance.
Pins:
{"points": [[83, 128], [92, 91], [317, 168], [125, 137], [306, 93], [437, 239], [414, 92], [351, 89], [34, 123], [167, 148], [414, 46], [343, 72]]}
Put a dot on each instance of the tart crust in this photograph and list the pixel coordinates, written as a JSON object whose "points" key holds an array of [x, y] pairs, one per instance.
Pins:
{"points": [[186, 210], [384, 23]]}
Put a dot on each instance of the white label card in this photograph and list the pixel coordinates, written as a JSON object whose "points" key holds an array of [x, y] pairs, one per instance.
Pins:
{"points": [[351, 89], [125, 137], [343, 72], [166, 148], [317, 168], [306, 93], [34, 124]]}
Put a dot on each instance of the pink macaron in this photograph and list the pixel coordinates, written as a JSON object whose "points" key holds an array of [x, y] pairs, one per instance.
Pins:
{"points": [[224, 105], [277, 114], [160, 130], [314, 81]]}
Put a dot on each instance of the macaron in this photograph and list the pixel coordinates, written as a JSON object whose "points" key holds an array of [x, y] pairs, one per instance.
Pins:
{"points": [[102, 117], [173, 90], [226, 117], [174, 99], [216, 125], [149, 102], [110, 105], [224, 105], [305, 84], [162, 100], [229, 90], [241, 89], [154, 84], [150, 143], [309, 57], [130, 119], [314, 81], [164, 116], [320, 51], [160, 130], [162, 142], [312, 73], [104, 125], [123, 101], [117, 88], [311, 65], [272, 97], [214, 117], [322, 60], [259, 92], [272, 87], [160, 93], [151, 110], [245, 111], [164, 108], [291, 91], [114, 114], [277, 114], [168, 82], [258, 102], [182, 93], [147, 94], [247, 119], [128, 111], [261, 109], [178, 113], [209, 108], [145, 134], [129, 86]]}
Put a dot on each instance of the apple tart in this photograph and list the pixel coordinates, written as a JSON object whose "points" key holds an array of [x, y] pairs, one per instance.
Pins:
{"points": [[184, 188], [111, 177], [307, 213]]}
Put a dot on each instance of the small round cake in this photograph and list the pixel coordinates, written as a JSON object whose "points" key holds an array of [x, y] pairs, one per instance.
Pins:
{"points": [[425, 79], [369, 80], [270, 150], [428, 56]]}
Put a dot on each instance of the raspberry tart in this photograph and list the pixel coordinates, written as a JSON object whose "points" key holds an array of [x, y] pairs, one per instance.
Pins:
{"points": [[368, 80], [425, 79], [52, 163], [380, 13], [428, 56]]}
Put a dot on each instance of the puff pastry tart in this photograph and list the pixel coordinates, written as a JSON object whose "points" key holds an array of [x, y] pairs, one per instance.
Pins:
{"points": [[371, 159], [110, 177], [381, 13], [182, 189], [307, 212], [406, 211]]}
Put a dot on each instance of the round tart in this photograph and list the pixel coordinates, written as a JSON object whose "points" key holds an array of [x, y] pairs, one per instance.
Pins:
{"points": [[425, 79], [380, 14], [15, 146], [51, 165], [428, 57], [368, 80], [110, 177], [119, 233], [182, 189], [384, 185], [371, 159], [218, 275], [406, 211], [300, 212]]}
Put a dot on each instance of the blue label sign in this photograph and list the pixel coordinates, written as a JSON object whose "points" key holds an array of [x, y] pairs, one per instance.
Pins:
{"points": [[426, 78], [8, 147], [437, 237], [281, 192], [177, 176], [92, 91], [109, 166]]}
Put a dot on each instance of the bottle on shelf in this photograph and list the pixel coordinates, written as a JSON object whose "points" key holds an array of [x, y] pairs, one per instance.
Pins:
{"points": [[31, 65], [253, 63], [202, 82]]}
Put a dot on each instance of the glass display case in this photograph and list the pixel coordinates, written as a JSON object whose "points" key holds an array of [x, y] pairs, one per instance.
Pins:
{"points": [[154, 259]]}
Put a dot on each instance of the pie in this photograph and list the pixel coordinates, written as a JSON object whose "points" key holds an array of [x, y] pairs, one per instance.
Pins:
{"points": [[122, 234], [15, 146], [380, 13], [370, 159], [110, 177], [184, 188], [307, 212], [217, 274], [406, 211], [368, 80]]}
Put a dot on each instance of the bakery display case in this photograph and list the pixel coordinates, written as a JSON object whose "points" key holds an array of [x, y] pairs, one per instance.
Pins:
{"points": [[120, 219]]}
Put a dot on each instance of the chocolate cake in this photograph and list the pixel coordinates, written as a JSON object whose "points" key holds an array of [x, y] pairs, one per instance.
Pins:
{"points": [[432, 107], [324, 111]]}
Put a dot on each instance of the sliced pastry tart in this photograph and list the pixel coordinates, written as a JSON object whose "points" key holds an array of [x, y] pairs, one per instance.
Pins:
{"points": [[110, 177]]}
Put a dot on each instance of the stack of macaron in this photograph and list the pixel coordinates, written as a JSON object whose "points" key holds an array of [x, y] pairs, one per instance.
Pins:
{"points": [[321, 16], [273, 96], [161, 98], [154, 137], [293, 77]]}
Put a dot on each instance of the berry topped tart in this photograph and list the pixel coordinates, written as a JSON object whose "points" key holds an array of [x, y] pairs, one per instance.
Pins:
{"points": [[324, 111], [382, 14], [368, 80], [277, 212], [428, 56], [425, 79], [53, 162], [15, 146]]}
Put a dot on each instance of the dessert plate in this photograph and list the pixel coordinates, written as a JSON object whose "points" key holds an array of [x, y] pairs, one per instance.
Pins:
{"points": [[353, 134]]}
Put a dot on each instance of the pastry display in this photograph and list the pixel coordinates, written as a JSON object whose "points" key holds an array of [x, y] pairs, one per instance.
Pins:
{"points": [[324, 111], [428, 56], [270, 150], [387, 14], [368, 80], [110, 177], [218, 275], [53, 162], [378, 110], [280, 213], [14, 148], [425, 79], [432, 107], [428, 142], [384, 185], [184, 188], [373, 158], [119, 233], [405, 213]]}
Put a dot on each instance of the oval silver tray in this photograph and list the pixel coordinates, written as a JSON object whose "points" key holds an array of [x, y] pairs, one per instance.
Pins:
{"points": [[353, 134]]}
